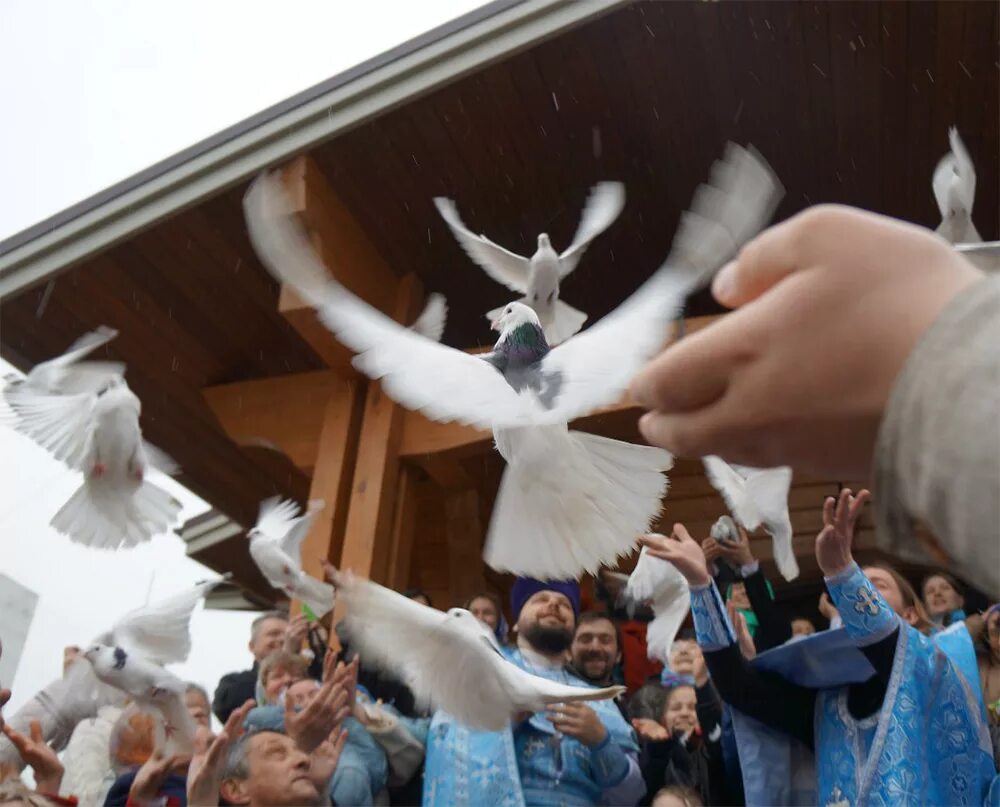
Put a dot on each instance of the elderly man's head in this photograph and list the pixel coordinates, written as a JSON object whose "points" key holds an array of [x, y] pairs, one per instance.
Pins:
{"points": [[198, 705], [595, 649], [267, 769], [267, 634]]}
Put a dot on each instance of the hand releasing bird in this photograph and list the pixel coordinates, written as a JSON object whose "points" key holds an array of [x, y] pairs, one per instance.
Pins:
{"points": [[276, 548], [159, 632], [86, 416], [568, 502], [538, 277], [758, 497], [657, 581], [954, 187], [450, 660]]}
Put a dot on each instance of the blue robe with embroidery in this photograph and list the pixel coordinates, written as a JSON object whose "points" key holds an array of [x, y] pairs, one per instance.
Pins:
{"points": [[927, 744], [529, 764]]}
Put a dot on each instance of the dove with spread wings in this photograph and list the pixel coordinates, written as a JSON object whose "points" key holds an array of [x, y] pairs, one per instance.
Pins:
{"points": [[568, 501]]}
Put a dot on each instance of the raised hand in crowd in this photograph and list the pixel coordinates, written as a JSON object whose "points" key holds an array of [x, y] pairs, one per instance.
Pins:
{"points": [[737, 553], [327, 709], [680, 549], [743, 637], [833, 543], [296, 633], [323, 760], [790, 378], [150, 777], [579, 721], [650, 729], [827, 608], [204, 778], [39, 756]]}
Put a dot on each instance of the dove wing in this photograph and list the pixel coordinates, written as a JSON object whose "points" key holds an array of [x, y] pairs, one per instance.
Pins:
{"points": [[160, 460], [61, 424], [505, 267], [276, 517], [732, 487], [768, 489], [964, 168], [443, 383], [160, 631], [58, 375], [604, 204], [291, 543], [430, 324], [659, 581], [597, 365]]}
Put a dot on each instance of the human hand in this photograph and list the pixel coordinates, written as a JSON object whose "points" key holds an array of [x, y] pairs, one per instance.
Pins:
{"points": [[791, 377], [323, 761], [827, 608], [681, 550], [295, 633], [743, 637], [833, 543], [324, 713], [579, 721], [39, 756], [712, 550], [4, 697], [650, 729], [204, 777], [151, 776], [737, 552]]}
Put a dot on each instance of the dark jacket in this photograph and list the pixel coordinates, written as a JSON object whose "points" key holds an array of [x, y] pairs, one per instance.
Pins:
{"points": [[233, 691], [174, 788]]}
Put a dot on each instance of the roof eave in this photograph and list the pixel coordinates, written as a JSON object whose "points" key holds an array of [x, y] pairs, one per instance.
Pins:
{"points": [[360, 95]]}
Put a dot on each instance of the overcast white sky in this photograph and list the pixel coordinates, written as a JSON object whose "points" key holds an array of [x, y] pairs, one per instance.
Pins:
{"points": [[92, 91]]}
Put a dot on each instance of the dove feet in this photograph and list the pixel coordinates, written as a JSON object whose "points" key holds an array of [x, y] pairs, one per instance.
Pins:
{"points": [[98, 470]]}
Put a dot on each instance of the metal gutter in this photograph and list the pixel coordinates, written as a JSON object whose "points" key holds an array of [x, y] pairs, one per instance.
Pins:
{"points": [[361, 94]]}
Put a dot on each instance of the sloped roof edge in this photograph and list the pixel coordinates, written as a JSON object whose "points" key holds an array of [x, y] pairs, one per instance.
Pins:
{"points": [[468, 43]]}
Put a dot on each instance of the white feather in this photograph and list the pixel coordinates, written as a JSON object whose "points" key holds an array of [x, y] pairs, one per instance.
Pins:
{"points": [[430, 324], [658, 582], [954, 185], [758, 497], [87, 758], [450, 660]]}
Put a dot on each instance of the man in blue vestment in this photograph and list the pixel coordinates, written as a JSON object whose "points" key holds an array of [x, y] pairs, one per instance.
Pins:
{"points": [[575, 754]]}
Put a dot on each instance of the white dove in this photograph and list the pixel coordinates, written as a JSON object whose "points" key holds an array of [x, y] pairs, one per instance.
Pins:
{"points": [[158, 633], [658, 582], [276, 548], [94, 428], [448, 659], [758, 497], [954, 185], [538, 277], [568, 501]]}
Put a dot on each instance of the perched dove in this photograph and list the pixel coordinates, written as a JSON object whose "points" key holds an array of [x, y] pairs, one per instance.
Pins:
{"points": [[276, 548], [158, 632], [758, 497], [86, 416], [450, 660], [568, 501], [538, 277], [658, 581], [954, 187]]}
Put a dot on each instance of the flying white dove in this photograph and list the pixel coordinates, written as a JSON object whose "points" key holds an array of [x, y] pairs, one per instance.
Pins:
{"points": [[538, 277], [758, 497], [276, 548], [954, 187], [568, 501], [448, 659], [658, 581], [158, 632], [86, 416]]}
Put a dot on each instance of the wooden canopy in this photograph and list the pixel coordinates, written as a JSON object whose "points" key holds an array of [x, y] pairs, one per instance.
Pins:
{"points": [[850, 102]]}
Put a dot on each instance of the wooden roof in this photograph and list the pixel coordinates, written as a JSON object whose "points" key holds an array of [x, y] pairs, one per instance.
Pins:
{"points": [[850, 102]]}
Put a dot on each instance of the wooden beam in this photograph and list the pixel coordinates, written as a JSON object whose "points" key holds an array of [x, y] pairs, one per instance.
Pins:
{"points": [[403, 528], [445, 470], [344, 248], [369, 517], [464, 532], [285, 412]]}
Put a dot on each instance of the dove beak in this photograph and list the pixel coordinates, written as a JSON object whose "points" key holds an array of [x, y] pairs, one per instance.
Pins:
{"points": [[495, 325]]}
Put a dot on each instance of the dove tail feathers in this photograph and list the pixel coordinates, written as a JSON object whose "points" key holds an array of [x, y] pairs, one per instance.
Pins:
{"points": [[97, 515], [556, 519], [566, 321], [319, 596]]}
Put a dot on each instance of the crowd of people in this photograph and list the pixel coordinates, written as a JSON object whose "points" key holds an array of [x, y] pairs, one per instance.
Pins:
{"points": [[721, 722]]}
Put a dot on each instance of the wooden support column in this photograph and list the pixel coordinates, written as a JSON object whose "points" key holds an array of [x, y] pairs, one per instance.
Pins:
{"points": [[403, 529], [370, 514], [464, 531]]}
